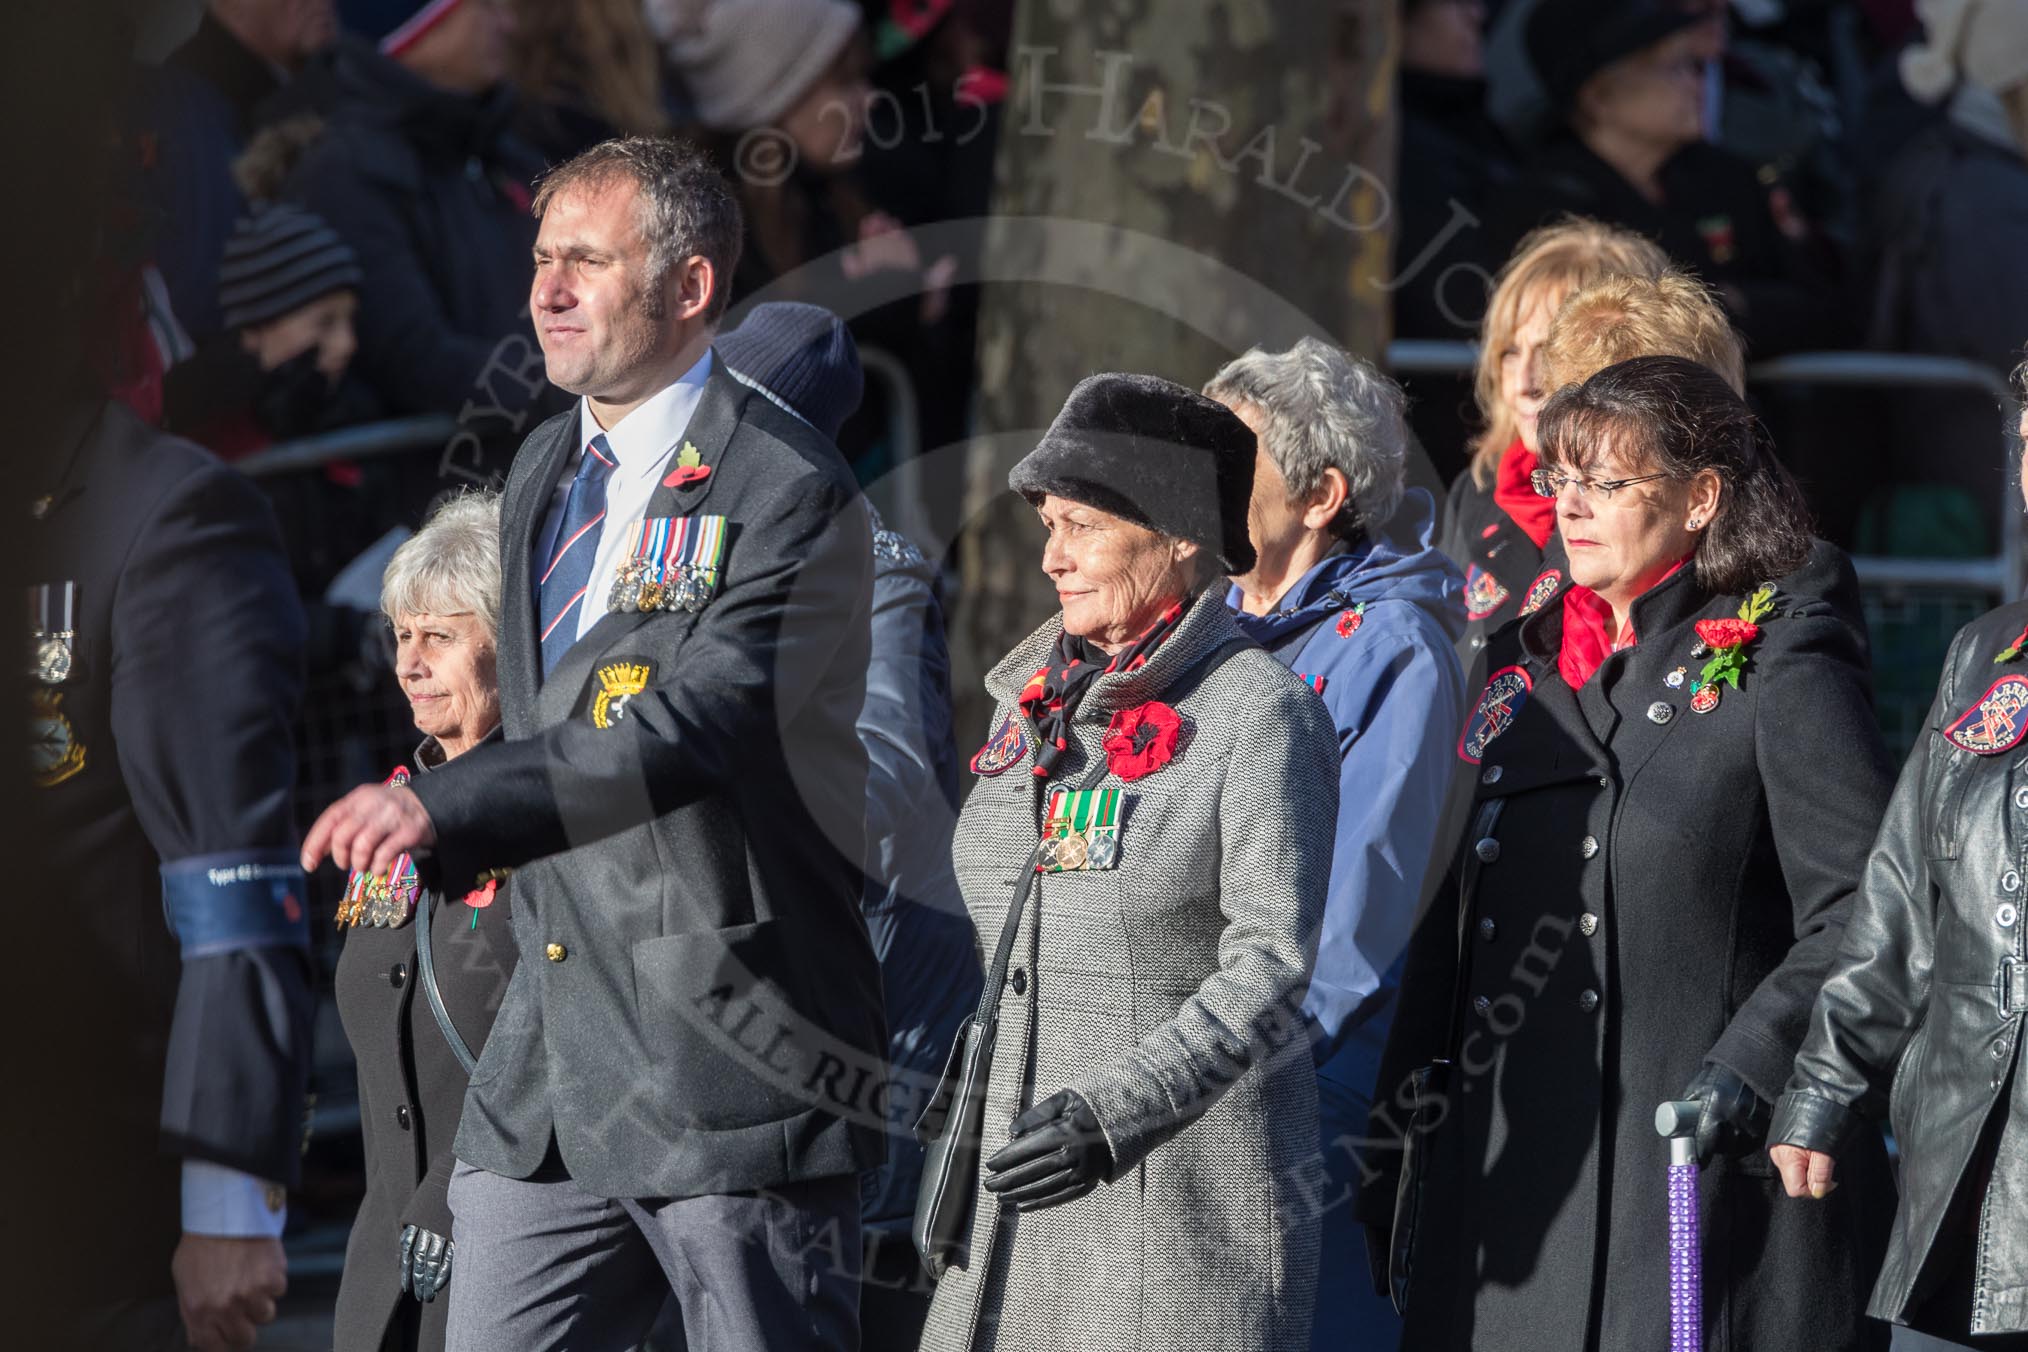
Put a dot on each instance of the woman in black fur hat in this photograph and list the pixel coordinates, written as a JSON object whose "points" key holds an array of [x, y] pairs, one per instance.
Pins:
{"points": [[1145, 854]]}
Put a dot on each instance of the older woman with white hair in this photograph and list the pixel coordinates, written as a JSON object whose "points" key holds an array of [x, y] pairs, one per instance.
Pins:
{"points": [[421, 975], [1145, 855], [1349, 592]]}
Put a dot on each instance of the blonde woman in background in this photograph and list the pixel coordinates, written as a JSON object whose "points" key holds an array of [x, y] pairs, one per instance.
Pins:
{"points": [[1495, 526]]}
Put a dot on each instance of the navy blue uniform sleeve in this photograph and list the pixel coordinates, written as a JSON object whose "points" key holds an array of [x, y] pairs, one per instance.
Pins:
{"points": [[207, 676]]}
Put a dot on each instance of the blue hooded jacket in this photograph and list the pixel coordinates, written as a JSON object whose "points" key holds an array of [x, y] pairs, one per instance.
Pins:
{"points": [[1373, 628]]}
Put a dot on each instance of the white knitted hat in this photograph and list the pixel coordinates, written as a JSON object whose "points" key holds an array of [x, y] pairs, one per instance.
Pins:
{"points": [[746, 62], [1978, 42]]}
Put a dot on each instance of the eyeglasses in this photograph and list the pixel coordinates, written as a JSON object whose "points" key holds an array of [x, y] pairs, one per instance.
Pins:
{"points": [[1549, 484]]}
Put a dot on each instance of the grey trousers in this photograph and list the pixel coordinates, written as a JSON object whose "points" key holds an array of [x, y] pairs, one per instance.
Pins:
{"points": [[541, 1263]]}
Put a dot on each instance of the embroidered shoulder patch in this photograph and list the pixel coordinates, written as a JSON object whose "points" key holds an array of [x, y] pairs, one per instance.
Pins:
{"points": [[1997, 722], [1483, 593], [1540, 590], [1006, 748], [618, 683], [1506, 691]]}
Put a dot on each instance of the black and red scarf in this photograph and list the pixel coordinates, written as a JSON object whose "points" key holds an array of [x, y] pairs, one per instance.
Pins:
{"points": [[1053, 693]]}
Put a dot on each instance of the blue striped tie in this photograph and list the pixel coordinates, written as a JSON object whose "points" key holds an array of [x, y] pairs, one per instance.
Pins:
{"points": [[561, 584]]}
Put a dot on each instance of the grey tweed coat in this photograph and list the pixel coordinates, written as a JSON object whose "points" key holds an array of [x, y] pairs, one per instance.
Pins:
{"points": [[1168, 992]]}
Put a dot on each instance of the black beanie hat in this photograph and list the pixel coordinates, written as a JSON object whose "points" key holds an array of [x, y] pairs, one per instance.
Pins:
{"points": [[804, 355], [1155, 453], [279, 259], [1569, 41]]}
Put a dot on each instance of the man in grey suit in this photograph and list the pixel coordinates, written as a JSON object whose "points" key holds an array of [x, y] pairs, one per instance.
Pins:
{"points": [[685, 1075]]}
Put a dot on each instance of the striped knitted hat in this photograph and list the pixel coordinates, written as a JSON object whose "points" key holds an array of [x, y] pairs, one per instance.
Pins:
{"points": [[280, 258], [393, 25]]}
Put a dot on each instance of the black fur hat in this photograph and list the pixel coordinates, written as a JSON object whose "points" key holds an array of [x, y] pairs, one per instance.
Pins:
{"points": [[1155, 453]]}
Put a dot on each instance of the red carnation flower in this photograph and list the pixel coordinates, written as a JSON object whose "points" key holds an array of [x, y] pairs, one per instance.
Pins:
{"points": [[1720, 634], [1141, 740]]}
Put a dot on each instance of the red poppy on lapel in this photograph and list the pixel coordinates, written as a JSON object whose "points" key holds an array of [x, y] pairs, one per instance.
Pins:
{"points": [[685, 475], [1141, 740], [479, 898]]}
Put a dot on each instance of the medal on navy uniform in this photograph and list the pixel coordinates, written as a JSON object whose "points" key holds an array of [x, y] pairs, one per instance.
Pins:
{"points": [[54, 751], [672, 563], [52, 624], [1082, 831], [382, 903]]}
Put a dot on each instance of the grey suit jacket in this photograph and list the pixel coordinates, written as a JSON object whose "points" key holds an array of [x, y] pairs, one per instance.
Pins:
{"points": [[697, 1008]]}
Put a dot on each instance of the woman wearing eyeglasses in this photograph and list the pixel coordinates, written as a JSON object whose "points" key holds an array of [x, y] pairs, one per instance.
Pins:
{"points": [[1678, 781]]}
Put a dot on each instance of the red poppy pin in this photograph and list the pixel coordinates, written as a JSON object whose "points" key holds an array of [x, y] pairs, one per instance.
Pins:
{"points": [[2013, 650], [1349, 622], [479, 898], [1728, 640], [690, 469], [1141, 740]]}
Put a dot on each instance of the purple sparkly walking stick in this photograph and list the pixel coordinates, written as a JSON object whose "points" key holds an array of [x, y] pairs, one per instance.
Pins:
{"points": [[1678, 1122]]}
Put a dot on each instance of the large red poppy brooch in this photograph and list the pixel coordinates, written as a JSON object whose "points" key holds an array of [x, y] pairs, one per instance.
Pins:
{"points": [[1141, 740], [1728, 640]]}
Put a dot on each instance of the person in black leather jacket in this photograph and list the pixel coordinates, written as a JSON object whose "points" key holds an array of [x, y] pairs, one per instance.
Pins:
{"points": [[1923, 1013]]}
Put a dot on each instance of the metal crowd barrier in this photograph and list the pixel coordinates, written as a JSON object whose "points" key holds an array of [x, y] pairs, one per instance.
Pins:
{"points": [[367, 441], [1913, 605]]}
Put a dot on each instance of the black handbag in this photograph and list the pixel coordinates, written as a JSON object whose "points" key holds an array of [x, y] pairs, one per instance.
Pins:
{"points": [[1431, 1084], [427, 969], [952, 1126]]}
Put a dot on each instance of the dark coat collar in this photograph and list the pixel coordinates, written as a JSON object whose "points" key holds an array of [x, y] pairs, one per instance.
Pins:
{"points": [[525, 698], [429, 753]]}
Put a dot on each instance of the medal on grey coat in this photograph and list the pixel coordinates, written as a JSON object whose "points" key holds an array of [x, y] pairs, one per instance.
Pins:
{"points": [[1082, 831]]}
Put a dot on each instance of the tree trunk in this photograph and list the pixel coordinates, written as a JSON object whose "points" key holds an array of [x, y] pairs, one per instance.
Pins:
{"points": [[1176, 183]]}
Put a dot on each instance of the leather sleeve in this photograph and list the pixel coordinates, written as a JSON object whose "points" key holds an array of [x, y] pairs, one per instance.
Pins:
{"points": [[1875, 995]]}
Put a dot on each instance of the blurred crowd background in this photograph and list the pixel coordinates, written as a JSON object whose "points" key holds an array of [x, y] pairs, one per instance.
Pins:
{"points": [[315, 255]]}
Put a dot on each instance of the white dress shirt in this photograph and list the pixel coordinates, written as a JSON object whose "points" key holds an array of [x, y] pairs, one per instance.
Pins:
{"points": [[222, 1201], [641, 443]]}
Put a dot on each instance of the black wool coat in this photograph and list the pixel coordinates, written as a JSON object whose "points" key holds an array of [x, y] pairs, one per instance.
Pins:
{"points": [[411, 1091], [1659, 888], [1504, 569]]}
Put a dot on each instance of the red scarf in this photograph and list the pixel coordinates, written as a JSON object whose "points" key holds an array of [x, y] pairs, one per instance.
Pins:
{"points": [[1053, 693], [1585, 645], [1515, 495]]}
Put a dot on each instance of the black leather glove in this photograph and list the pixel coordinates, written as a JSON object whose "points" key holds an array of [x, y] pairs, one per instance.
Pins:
{"points": [[1733, 1120], [425, 1262], [1056, 1154]]}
